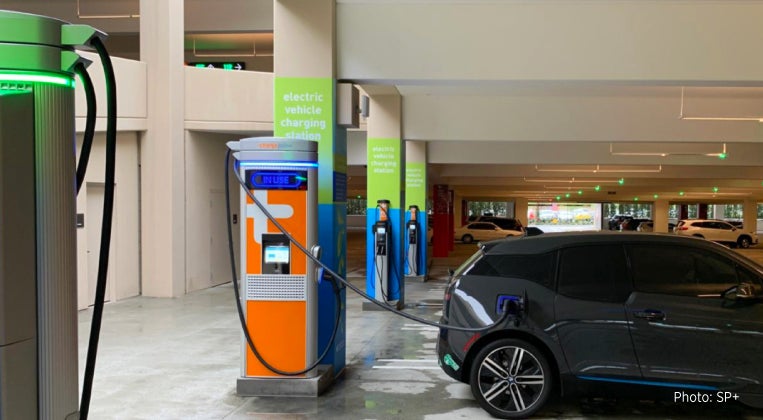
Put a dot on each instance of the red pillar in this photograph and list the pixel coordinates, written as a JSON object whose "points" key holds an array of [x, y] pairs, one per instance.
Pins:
{"points": [[451, 219], [683, 212], [702, 211], [441, 233]]}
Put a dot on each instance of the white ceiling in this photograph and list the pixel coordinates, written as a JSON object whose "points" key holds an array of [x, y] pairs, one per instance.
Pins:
{"points": [[498, 87]]}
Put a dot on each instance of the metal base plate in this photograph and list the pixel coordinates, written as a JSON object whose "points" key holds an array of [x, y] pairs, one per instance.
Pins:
{"points": [[283, 386]]}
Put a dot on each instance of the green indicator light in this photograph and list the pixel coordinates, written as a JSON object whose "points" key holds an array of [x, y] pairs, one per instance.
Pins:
{"points": [[227, 66], [680, 193], [597, 188], [715, 189], [200, 65], [621, 181], [722, 156], [567, 195], [359, 197], [656, 196], [635, 198], [49, 78], [580, 192], [558, 197]]}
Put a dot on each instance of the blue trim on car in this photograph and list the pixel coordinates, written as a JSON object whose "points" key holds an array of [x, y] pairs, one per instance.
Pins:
{"points": [[650, 383]]}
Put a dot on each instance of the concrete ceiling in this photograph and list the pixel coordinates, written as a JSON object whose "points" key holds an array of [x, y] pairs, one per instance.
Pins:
{"points": [[499, 111]]}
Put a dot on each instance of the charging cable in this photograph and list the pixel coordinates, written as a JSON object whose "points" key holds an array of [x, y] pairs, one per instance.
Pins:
{"points": [[87, 139], [108, 211], [504, 316]]}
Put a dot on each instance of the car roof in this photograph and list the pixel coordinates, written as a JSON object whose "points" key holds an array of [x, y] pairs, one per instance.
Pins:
{"points": [[551, 241]]}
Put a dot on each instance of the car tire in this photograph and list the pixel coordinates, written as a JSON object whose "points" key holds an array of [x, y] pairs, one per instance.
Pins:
{"points": [[467, 239], [744, 242], [510, 379]]}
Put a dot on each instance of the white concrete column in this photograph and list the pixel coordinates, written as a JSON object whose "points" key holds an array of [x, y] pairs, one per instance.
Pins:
{"points": [[162, 152], [718, 210], [386, 181], [457, 209], [520, 210], [660, 210], [750, 215]]}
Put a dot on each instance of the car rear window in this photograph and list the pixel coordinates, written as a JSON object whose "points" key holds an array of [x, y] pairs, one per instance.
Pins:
{"points": [[538, 268]]}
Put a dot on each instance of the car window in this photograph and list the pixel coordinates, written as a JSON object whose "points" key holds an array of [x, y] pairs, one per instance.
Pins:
{"points": [[725, 226], [714, 274], [680, 271], [538, 268], [594, 272], [746, 276]]}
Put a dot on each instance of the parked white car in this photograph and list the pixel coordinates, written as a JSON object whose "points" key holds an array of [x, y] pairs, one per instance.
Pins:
{"points": [[482, 231], [717, 231]]}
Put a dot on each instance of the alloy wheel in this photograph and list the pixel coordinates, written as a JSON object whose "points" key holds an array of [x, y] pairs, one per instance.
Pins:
{"points": [[511, 379]]}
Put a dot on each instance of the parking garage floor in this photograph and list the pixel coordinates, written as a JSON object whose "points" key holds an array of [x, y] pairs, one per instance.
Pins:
{"points": [[179, 359]]}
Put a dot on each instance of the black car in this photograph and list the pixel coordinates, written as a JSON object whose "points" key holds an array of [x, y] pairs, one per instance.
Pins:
{"points": [[641, 311]]}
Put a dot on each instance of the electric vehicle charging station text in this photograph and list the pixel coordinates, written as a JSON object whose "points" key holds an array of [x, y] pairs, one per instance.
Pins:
{"points": [[278, 282]]}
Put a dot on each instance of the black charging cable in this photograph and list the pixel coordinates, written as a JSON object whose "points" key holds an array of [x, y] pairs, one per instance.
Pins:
{"points": [[87, 139], [108, 211], [234, 272], [504, 316]]}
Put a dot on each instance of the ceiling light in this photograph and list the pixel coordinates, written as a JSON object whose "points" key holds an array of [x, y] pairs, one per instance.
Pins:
{"points": [[668, 149], [572, 180], [599, 168], [681, 115], [566, 168]]}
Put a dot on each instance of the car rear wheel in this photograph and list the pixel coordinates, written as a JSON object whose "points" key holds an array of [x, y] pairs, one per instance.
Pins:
{"points": [[510, 379], [744, 242], [467, 239]]}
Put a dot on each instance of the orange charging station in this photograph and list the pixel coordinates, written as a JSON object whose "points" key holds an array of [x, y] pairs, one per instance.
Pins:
{"points": [[278, 282]]}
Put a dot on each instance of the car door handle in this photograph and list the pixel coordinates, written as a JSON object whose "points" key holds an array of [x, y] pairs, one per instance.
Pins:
{"points": [[650, 315]]}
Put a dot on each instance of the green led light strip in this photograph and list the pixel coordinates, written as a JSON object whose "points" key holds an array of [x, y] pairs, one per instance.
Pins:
{"points": [[49, 78]]}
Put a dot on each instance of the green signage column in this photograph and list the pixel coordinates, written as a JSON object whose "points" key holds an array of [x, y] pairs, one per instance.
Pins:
{"points": [[385, 181], [304, 108], [416, 195]]}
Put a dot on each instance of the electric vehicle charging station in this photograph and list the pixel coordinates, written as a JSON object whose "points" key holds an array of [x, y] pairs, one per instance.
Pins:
{"points": [[382, 235], [382, 273], [38, 279], [279, 283], [414, 236]]}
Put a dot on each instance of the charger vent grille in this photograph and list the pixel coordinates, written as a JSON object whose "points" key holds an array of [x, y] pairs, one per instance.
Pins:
{"points": [[278, 287]]}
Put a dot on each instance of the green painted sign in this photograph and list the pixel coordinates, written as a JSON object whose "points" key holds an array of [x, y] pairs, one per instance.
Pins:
{"points": [[304, 109], [416, 184], [383, 181]]}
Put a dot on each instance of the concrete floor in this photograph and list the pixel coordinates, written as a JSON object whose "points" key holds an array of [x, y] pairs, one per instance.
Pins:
{"points": [[179, 359]]}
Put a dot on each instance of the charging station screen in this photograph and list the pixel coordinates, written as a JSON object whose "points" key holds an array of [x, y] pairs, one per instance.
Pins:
{"points": [[276, 180], [276, 254]]}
